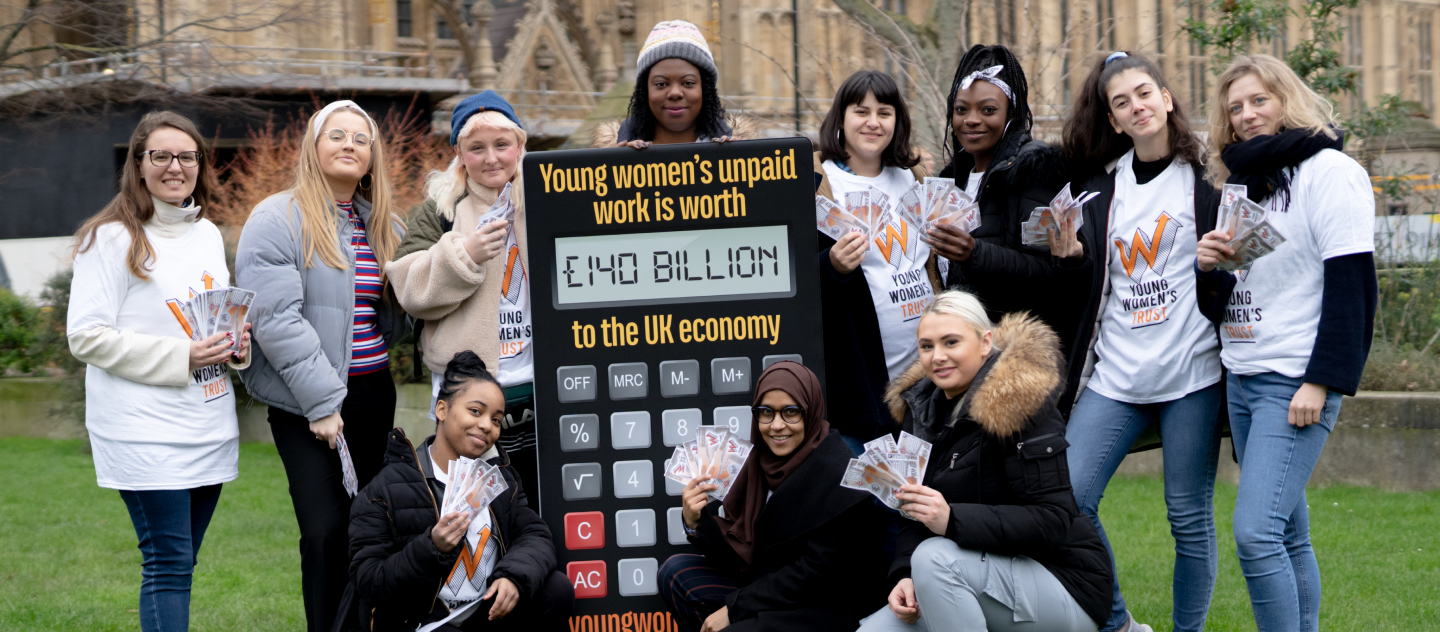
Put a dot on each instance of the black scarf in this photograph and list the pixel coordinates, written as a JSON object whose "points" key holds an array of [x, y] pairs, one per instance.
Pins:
{"points": [[1261, 163]]}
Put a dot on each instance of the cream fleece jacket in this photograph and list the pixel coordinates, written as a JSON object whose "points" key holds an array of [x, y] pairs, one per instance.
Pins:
{"points": [[458, 299], [146, 359]]}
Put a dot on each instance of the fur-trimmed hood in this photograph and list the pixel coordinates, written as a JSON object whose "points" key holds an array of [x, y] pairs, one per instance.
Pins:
{"points": [[742, 127], [1018, 380]]}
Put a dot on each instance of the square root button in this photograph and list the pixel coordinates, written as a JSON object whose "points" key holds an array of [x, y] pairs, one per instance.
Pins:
{"points": [[730, 376], [636, 577], [679, 378], [588, 578], [580, 481], [575, 384], [635, 528], [629, 381]]}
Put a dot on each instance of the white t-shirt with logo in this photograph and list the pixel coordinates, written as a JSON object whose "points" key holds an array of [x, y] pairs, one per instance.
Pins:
{"points": [[469, 577], [1274, 311], [1154, 344], [517, 357], [894, 266], [151, 437]]}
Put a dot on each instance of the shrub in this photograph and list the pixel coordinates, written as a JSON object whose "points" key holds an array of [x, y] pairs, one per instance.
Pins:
{"points": [[19, 322], [1405, 354]]}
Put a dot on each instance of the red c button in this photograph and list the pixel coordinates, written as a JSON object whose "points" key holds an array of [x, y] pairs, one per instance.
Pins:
{"points": [[584, 530]]}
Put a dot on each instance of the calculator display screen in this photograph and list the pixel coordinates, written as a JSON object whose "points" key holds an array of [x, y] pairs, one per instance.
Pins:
{"points": [[681, 265]]}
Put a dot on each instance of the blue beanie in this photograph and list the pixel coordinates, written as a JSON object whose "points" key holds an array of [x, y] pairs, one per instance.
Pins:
{"points": [[487, 100]]}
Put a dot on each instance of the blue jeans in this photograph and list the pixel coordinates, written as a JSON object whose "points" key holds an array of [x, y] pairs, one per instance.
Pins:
{"points": [[1272, 526], [1100, 433], [170, 525]]}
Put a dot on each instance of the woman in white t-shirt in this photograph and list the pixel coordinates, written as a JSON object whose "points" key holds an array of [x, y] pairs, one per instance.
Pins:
{"points": [[158, 405], [1315, 289], [870, 314], [1145, 352]]}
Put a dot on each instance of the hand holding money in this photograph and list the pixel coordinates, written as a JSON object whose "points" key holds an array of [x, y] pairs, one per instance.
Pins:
{"points": [[847, 253], [1214, 248], [449, 530], [486, 241], [694, 498], [212, 350], [925, 505]]}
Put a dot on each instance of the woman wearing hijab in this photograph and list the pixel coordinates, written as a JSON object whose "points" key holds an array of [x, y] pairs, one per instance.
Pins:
{"points": [[794, 551]]}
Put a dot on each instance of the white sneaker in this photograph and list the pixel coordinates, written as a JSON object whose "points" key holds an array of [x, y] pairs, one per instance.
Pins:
{"points": [[1132, 626]]}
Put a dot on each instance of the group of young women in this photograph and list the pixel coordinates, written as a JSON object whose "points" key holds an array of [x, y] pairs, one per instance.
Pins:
{"points": [[1031, 370]]}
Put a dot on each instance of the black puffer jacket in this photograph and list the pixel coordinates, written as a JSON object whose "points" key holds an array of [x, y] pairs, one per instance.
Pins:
{"points": [[1006, 275], [817, 564], [999, 460], [395, 568]]}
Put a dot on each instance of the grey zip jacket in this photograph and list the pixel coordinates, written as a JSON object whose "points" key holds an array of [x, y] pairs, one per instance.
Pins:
{"points": [[301, 317]]}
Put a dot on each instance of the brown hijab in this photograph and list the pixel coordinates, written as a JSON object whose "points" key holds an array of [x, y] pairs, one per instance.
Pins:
{"points": [[764, 471]]}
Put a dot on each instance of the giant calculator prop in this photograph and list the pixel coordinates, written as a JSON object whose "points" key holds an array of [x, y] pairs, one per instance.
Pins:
{"points": [[664, 281]]}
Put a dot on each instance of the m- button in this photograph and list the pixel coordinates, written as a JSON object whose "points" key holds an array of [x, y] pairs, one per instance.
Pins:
{"points": [[576, 384], [730, 376], [679, 378], [629, 381]]}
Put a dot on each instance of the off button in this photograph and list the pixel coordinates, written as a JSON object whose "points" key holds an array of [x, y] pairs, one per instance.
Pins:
{"points": [[576, 384]]}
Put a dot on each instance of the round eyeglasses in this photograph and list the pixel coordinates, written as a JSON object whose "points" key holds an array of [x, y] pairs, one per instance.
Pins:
{"points": [[337, 135], [791, 414], [162, 158]]}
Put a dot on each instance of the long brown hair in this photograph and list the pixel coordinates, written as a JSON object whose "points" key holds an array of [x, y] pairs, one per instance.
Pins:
{"points": [[318, 215], [1091, 141], [132, 206], [1300, 106]]}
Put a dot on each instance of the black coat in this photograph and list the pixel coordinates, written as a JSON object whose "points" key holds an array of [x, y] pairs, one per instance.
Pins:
{"points": [[1006, 275], [396, 570], [1083, 282], [1000, 462], [817, 563]]}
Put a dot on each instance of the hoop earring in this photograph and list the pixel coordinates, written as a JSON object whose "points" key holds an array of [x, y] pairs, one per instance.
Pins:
{"points": [[1234, 136], [363, 184]]}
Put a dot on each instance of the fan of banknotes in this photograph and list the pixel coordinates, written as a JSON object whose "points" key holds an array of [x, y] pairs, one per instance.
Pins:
{"points": [[887, 465], [1035, 231], [923, 206], [1251, 236], [347, 466], [221, 310], [503, 208], [716, 454], [473, 485]]}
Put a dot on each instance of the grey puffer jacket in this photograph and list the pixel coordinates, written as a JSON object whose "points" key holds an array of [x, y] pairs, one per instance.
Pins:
{"points": [[301, 315]]}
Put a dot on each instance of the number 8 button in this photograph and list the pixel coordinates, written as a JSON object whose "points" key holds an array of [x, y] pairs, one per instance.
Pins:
{"points": [[678, 425]]}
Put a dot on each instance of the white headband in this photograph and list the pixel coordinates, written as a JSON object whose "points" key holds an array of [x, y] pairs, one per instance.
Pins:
{"points": [[326, 111], [988, 75]]}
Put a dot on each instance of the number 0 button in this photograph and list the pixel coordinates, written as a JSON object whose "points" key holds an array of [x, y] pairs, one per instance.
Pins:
{"points": [[637, 577], [634, 479]]}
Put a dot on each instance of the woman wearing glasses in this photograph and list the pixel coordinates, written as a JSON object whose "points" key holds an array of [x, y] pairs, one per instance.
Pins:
{"points": [[158, 405], [790, 550], [314, 256]]}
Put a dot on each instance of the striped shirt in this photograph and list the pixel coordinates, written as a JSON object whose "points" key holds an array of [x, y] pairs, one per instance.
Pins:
{"points": [[367, 349]]}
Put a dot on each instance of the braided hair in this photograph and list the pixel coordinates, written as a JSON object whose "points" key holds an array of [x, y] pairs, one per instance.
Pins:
{"points": [[983, 57], [463, 369], [710, 123]]}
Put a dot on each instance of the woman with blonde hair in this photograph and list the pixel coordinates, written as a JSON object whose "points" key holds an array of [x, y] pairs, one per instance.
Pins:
{"points": [[462, 270], [1290, 354], [158, 404], [313, 254]]}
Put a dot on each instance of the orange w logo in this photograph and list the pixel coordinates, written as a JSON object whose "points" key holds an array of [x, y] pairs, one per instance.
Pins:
{"points": [[891, 240], [470, 559], [1155, 249]]}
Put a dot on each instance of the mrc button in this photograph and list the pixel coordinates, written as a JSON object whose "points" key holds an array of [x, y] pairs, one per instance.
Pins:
{"points": [[588, 578], [580, 481], [769, 360], [730, 376], [679, 378], [576, 384], [629, 380], [584, 530]]}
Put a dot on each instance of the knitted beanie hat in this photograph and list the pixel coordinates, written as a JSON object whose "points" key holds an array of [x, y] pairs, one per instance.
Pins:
{"points": [[675, 39]]}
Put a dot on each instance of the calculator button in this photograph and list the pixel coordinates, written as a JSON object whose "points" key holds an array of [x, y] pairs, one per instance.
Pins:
{"points": [[634, 479], [636, 577], [584, 530], [679, 378], [672, 487], [635, 528], [769, 360], [588, 578], [736, 418], [678, 425], [629, 381], [579, 432], [674, 527], [730, 376], [630, 429], [580, 481], [576, 384]]}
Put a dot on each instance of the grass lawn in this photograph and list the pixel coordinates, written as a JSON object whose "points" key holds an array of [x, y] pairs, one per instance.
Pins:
{"points": [[68, 559]]}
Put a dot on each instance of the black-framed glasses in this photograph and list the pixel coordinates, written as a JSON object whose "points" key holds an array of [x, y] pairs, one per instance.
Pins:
{"points": [[337, 135], [791, 414], [162, 158]]}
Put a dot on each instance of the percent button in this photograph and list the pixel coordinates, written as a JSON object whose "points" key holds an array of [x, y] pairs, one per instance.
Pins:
{"points": [[578, 432]]}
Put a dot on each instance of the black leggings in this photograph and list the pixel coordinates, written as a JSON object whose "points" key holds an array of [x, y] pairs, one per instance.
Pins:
{"points": [[321, 505]]}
